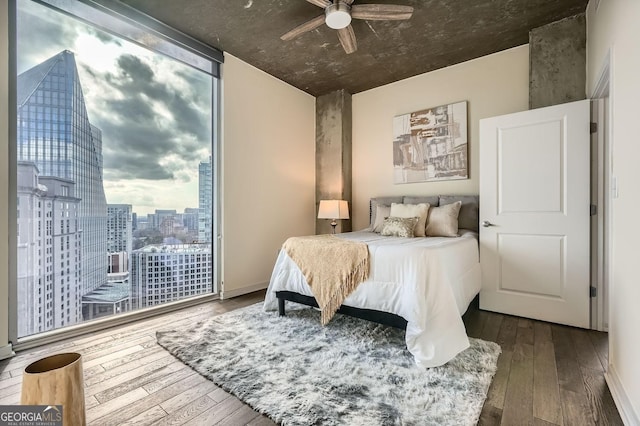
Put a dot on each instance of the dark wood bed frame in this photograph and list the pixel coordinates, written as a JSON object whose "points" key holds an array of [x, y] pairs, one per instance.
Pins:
{"points": [[379, 317]]}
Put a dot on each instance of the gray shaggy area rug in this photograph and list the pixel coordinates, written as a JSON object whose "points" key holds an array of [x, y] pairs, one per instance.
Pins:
{"points": [[350, 372]]}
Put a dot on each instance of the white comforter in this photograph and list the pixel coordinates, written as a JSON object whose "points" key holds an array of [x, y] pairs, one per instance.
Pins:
{"points": [[427, 281]]}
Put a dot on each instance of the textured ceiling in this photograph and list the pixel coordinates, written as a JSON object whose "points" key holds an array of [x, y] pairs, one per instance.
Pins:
{"points": [[440, 33]]}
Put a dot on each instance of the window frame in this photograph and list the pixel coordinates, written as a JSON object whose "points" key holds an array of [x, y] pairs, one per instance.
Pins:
{"points": [[169, 36]]}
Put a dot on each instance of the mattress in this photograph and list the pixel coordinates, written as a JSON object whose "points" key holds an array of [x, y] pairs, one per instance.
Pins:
{"points": [[428, 281]]}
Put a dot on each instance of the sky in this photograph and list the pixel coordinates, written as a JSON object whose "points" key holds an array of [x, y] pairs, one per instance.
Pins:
{"points": [[154, 112]]}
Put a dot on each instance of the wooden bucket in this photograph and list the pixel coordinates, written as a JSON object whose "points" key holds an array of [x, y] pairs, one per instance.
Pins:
{"points": [[56, 380]]}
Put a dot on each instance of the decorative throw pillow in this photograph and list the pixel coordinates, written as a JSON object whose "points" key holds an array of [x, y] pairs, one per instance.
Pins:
{"points": [[468, 217], [382, 212], [412, 210], [443, 220], [399, 227]]}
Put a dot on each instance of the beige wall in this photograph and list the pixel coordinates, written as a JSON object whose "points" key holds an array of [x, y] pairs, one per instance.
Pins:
{"points": [[4, 179], [493, 85], [268, 172], [614, 27]]}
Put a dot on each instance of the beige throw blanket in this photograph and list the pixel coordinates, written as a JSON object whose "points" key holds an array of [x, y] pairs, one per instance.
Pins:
{"points": [[333, 268]]}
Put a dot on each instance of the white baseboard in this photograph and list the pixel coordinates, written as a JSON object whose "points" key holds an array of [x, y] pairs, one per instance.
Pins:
{"points": [[6, 351], [227, 294], [627, 413]]}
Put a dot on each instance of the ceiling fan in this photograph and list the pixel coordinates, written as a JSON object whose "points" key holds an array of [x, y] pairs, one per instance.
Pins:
{"points": [[338, 15]]}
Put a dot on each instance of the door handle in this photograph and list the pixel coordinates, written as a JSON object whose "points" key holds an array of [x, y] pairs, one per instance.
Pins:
{"points": [[487, 224]]}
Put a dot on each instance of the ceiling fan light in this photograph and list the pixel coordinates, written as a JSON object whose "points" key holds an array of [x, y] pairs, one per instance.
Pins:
{"points": [[338, 15]]}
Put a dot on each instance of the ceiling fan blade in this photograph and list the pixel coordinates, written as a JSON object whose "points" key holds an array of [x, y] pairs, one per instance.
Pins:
{"points": [[349, 2], [381, 12], [301, 29], [320, 3], [348, 39]]}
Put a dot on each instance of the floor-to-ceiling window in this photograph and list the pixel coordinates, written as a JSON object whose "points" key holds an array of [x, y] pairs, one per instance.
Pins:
{"points": [[115, 164]]}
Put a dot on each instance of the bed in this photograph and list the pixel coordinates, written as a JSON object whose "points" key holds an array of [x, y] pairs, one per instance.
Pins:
{"points": [[423, 284]]}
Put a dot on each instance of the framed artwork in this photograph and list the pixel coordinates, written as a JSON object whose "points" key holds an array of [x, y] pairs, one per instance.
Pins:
{"points": [[431, 144]]}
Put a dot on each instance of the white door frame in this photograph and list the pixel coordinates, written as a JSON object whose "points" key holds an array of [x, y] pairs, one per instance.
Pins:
{"points": [[601, 270]]}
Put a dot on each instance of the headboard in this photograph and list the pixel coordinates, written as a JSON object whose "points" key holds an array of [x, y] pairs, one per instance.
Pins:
{"points": [[469, 217]]}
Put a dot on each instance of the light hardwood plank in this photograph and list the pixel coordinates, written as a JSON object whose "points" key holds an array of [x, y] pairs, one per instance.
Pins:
{"points": [[114, 404], [490, 416], [585, 352], [569, 376], [540, 422], [144, 369], [12, 399], [219, 395], [151, 400], [217, 413], [182, 372], [575, 409], [183, 399], [149, 417], [11, 390], [546, 391], [498, 388], [241, 416], [600, 342], [507, 333], [137, 382], [518, 404], [261, 420], [525, 332], [188, 412], [110, 355], [603, 408], [90, 402]]}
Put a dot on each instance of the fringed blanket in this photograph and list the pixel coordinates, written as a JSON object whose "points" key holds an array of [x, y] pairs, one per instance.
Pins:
{"points": [[333, 268]]}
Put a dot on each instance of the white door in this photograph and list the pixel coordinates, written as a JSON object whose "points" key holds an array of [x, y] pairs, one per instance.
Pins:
{"points": [[534, 213]]}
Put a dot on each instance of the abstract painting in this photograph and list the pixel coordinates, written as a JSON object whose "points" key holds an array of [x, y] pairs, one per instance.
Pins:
{"points": [[431, 144]]}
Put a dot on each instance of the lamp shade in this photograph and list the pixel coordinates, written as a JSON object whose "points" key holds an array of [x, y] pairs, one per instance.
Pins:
{"points": [[333, 209]]}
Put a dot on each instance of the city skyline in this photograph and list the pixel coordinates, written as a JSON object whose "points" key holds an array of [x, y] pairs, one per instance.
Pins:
{"points": [[84, 133], [154, 112]]}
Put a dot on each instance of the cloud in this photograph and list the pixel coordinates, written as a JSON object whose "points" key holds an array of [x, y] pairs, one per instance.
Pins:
{"points": [[49, 39], [154, 112], [144, 121]]}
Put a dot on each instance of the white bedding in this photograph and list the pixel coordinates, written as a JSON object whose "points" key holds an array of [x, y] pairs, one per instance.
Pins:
{"points": [[427, 281]]}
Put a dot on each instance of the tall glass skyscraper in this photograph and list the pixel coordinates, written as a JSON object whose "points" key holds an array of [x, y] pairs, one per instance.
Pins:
{"points": [[55, 134], [205, 205]]}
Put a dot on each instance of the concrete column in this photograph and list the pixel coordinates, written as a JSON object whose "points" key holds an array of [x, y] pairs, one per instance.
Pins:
{"points": [[557, 64], [333, 154]]}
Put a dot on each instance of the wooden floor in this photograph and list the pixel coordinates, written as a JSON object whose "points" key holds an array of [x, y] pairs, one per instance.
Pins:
{"points": [[547, 374]]}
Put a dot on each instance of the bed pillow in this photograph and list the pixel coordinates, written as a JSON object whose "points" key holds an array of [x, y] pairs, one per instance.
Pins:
{"points": [[469, 211], [412, 210], [382, 212], [443, 220], [432, 200], [399, 227], [381, 201]]}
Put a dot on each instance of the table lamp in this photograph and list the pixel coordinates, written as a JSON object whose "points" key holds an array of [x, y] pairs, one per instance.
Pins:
{"points": [[333, 209]]}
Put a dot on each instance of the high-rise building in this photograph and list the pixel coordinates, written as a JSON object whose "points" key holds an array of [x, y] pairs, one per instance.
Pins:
{"points": [[190, 219], [49, 252], [55, 133], [205, 205], [119, 228], [165, 273], [160, 217]]}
